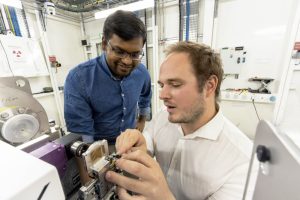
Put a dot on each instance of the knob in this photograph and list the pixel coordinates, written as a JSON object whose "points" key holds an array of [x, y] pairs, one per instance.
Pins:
{"points": [[263, 153]]}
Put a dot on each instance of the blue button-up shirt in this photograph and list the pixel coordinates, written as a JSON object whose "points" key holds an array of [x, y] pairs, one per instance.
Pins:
{"points": [[100, 105]]}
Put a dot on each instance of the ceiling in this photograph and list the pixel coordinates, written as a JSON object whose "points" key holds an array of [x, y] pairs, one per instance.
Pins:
{"points": [[86, 5]]}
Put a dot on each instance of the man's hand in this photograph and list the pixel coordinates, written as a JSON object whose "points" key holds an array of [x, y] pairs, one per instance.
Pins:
{"points": [[151, 183], [140, 124], [130, 140]]}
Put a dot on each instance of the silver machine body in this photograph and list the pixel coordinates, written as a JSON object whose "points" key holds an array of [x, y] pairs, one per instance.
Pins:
{"points": [[24, 124], [22, 118]]}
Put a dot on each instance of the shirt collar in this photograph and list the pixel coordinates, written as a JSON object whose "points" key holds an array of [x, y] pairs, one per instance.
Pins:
{"points": [[106, 68], [210, 130]]}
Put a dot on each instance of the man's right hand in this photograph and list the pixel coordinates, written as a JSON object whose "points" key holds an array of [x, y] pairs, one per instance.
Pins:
{"points": [[130, 140], [150, 183]]}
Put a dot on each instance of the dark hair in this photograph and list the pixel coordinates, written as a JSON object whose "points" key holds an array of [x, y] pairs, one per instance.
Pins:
{"points": [[204, 60], [125, 24]]}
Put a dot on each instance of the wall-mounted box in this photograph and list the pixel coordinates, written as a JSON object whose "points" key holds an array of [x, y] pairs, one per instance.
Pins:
{"points": [[233, 59]]}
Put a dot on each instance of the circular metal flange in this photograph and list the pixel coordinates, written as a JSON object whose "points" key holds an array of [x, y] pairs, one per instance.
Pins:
{"points": [[78, 148], [20, 128]]}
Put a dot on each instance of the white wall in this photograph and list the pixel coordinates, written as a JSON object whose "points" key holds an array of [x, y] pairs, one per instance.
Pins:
{"points": [[94, 28], [64, 41], [291, 109], [262, 28], [258, 26]]}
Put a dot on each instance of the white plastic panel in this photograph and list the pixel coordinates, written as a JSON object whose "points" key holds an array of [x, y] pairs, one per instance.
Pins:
{"points": [[26, 177], [23, 56], [257, 25], [233, 59]]}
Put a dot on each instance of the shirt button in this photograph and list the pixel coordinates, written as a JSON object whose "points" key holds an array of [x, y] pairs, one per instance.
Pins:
{"points": [[122, 120], [122, 95], [124, 108]]}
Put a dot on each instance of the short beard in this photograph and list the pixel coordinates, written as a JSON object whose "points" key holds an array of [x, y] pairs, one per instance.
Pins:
{"points": [[191, 115]]}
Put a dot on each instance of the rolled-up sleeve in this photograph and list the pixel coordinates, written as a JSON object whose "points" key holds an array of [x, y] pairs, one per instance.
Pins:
{"points": [[77, 110]]}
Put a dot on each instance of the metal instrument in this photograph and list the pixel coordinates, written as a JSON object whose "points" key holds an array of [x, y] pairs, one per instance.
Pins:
{"points": [[22, 118], [97, 162]]}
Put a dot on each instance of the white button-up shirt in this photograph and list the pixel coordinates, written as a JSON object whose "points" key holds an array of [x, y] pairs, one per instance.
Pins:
{"points": [[211, 163]]}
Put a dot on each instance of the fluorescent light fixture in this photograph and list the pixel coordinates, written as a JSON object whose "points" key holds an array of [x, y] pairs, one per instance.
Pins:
{"points": [[13, 3], [128, 7]]}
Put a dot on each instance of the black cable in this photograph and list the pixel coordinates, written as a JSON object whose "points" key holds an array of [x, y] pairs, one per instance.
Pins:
{"points": [[255, 110], [156, 4], [146, 44], [45, 19], [42, 19], [7, 58], [26, 23], [180, 18]]}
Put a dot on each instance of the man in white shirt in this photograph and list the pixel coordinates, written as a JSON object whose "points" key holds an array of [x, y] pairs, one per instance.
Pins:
{"points": [[201, 154]]}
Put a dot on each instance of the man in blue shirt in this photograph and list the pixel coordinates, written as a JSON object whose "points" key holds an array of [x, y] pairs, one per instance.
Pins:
{"points": [[102, 95]]}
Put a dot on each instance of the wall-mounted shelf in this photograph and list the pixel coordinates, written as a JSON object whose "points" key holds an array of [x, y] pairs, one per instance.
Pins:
{"points": [[248, 97]]}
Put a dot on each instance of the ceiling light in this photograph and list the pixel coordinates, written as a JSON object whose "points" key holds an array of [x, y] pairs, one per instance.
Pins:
{"points": [[128, 7], [13, 3]]}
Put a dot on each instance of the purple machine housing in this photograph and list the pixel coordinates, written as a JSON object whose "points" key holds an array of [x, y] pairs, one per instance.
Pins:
{"points": [[53, 154], [58, 153]]}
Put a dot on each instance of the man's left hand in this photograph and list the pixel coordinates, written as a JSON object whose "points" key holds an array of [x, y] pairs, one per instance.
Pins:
{"points": [[140, 125]]}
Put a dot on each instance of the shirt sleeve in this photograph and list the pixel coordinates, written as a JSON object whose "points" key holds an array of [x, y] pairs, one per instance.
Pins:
{"points": [[145, 97], [77, 110], [233, 188], [152, 128], [148, 134], [149, 143]]}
